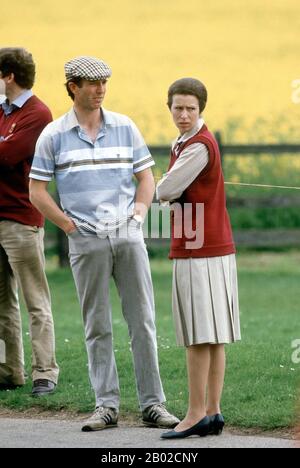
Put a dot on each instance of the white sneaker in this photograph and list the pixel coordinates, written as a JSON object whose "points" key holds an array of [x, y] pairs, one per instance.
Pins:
{"points": [[101, 419], [159, 416]]}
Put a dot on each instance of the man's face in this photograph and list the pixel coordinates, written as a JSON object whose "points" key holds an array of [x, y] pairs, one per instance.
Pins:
{"points": [[7, 84], [2, 85], [185, 112], [90, 95]]}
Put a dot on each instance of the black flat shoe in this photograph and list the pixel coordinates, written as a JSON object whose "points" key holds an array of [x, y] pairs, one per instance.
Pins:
{"points": [[200, 429], [216, 424]]}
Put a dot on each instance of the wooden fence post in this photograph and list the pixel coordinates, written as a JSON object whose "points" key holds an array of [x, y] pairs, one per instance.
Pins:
{"points": [[218, 136]]}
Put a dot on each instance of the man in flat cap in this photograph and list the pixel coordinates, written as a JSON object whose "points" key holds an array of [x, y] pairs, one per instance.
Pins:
{"points": [[94, 154], [22, 118]]}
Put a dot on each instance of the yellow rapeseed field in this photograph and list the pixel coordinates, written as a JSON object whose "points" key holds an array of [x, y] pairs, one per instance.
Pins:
{"points": [[247, 53]]}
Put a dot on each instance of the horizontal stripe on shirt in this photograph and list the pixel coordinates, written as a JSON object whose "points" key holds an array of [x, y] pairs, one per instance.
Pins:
{"points": [[60, 167]]}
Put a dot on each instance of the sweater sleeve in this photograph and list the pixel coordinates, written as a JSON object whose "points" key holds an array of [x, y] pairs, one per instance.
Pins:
{"points": [[20, 145]]}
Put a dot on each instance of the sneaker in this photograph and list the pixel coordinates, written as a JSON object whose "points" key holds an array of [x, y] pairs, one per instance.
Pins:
{"points": [[158, 416], [101, 419], [42, 387]]}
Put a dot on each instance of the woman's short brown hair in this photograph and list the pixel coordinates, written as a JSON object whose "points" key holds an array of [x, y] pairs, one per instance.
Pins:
{"points": [[18, 61], [188, 86]]}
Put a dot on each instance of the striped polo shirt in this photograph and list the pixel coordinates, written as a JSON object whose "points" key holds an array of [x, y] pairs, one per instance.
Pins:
{"points": [[94, 179]]}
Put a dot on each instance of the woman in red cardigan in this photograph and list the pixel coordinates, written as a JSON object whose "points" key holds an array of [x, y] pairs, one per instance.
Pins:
{"points": [[205, 294]]}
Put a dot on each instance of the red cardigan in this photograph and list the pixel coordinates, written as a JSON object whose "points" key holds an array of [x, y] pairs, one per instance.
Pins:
{"points": [[208, 189], [20, 131]]}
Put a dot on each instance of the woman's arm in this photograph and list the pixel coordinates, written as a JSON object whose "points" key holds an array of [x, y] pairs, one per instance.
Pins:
{"points": [[188, 166]]}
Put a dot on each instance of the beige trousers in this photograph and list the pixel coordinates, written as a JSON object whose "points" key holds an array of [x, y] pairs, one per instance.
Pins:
{"points": [[22, 263]]}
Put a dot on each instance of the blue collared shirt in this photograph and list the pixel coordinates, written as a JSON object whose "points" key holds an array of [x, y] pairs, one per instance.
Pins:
{"points": [[17, 103], [94, 179]]}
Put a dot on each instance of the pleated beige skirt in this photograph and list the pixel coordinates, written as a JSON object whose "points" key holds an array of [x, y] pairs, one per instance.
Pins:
{"points": [[205, 300]]}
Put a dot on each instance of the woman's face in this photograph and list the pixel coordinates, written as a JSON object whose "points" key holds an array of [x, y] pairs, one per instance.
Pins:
{"points": [[185, 112]]}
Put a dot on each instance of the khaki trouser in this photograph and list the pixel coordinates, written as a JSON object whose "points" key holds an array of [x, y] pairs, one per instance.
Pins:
{"points": [[22, 262]]}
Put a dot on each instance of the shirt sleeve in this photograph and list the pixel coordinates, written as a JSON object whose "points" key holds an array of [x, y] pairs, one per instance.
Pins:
{"points": [[188, 166], [43, 165], [142, 158]]}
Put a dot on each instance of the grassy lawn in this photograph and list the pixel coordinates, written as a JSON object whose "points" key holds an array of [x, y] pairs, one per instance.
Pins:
{"points": [[261, 382]]}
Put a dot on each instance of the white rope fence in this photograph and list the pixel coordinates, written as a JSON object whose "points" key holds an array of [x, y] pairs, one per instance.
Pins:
{"points": [[242, 184], [263, 185]]}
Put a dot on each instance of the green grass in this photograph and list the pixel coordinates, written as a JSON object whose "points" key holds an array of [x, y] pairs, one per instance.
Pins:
{"points": [[260, 388]]}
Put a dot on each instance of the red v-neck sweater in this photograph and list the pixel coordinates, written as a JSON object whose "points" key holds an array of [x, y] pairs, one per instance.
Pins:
{"points": [[207, 189], [20, 131]]}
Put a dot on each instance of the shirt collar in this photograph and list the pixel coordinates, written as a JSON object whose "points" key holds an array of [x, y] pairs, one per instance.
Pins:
{"points": [[17, 103], [107, 118], [72, 120], [23, 98], [187, 135]]}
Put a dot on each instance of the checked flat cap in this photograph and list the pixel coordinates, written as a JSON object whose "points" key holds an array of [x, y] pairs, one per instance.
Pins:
{"points": [[87, 68]]}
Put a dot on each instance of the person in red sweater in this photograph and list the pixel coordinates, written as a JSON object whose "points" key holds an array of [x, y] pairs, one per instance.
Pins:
{"points": [[22, 118], [205, 295]]}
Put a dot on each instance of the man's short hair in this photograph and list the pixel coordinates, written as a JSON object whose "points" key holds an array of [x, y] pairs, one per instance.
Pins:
{"points": [[20, 62], [77, 81], [188, 86]]}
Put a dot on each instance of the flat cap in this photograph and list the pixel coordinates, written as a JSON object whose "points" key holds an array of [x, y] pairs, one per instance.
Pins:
{"points": [[87, 68]]}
